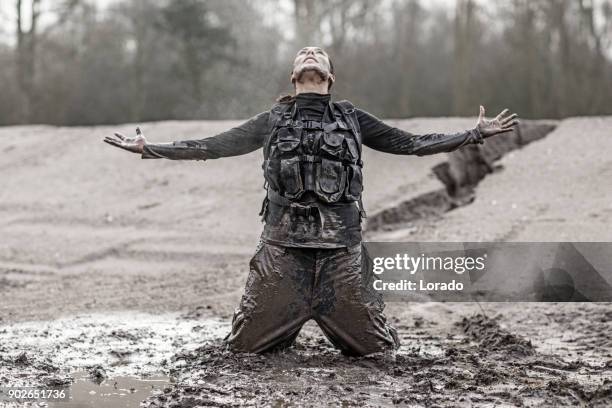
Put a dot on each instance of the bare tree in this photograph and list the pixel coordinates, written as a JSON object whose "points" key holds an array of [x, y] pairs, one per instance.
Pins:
{"points": [[407, 17], [26, 55], [465, 44], [137, 60], [27, 48]]}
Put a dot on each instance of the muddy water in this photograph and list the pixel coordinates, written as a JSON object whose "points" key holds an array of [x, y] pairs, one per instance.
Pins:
{"points": [[122, 343], [106, 360], [119, 392]]}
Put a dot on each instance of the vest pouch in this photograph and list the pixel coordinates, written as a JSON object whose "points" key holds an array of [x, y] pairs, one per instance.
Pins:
{"points": [[288, 140], [330, 180], [291, 178], [352, 151], [332, 143], [272, 173], [354, 186]]}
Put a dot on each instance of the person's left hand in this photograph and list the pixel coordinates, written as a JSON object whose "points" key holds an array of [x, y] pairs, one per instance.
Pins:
{"points": [[502, 123]]}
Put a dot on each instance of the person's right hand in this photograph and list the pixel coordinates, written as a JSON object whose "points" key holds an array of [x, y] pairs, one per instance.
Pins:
{"points": [[131, 144]]}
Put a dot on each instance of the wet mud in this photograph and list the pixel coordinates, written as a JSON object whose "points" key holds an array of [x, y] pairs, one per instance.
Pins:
{"points": [[476, 363], [525, 355], [103, 360]]}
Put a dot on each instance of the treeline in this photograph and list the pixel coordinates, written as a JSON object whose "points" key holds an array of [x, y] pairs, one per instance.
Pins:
{"points": [[71, 62]]}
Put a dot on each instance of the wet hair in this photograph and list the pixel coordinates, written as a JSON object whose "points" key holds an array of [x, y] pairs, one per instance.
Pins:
{"points": [[289, 98]]}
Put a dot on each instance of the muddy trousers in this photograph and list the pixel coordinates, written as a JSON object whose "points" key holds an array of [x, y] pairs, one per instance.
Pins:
{"points": [[287, 287]]}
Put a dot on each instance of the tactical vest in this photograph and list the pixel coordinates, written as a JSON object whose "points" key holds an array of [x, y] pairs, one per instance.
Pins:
{"points": [[329, 164]]}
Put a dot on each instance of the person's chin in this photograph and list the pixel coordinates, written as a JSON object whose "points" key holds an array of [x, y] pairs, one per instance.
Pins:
{"points": [[312, 69]]}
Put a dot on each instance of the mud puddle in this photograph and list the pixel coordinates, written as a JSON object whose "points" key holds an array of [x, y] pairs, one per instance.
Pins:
{"points": [[111, 359], [118, 392]]}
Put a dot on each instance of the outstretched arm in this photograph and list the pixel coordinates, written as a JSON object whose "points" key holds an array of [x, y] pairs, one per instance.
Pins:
{"points": [[242, 139], [380, 136]]}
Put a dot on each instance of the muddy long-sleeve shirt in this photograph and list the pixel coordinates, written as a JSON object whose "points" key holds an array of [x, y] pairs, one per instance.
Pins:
{"points": [[340, 225]]}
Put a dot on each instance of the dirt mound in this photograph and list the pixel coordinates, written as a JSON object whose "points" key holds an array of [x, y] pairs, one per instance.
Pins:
{"points": [[599, 397], [460, 175], [549, 190], [466, 167], [492, 338]]}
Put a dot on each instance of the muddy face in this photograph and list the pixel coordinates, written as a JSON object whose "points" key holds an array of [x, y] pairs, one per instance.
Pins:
{"points": [[312, 62]]}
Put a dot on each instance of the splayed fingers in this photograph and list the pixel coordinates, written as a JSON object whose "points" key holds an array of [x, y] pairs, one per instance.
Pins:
{"points": [[502, 123]]}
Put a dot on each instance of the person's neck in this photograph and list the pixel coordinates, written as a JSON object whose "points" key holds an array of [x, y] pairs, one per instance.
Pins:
{"points": [[312, 87]]}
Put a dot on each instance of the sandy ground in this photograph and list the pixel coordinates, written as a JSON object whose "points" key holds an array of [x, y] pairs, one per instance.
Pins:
{"points": [[556, 189], [113, 266]]}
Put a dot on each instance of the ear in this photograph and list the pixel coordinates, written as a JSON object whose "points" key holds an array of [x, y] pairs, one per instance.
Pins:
{"points": [[332, 78]]}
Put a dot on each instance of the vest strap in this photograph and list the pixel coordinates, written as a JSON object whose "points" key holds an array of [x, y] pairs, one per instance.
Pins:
{"points": [[309, 211], [315, 125], [311, 158]]}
